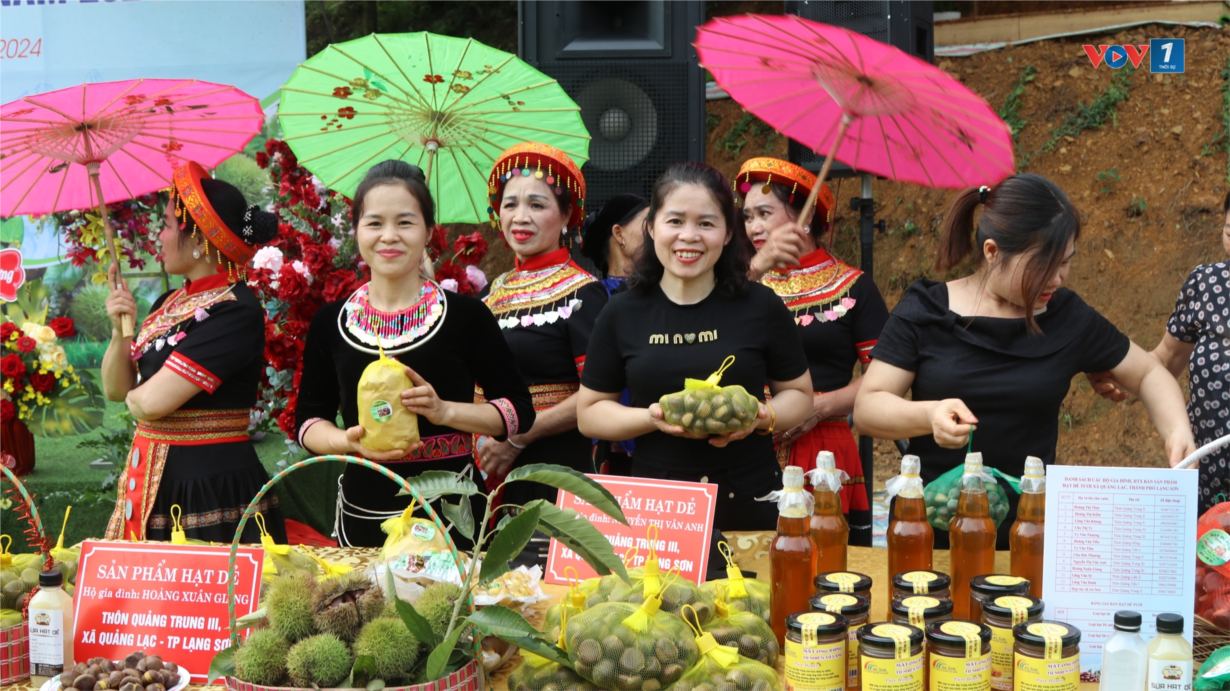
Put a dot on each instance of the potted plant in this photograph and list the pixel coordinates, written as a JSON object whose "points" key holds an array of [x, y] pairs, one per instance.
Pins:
{"points": [[450, 645]]}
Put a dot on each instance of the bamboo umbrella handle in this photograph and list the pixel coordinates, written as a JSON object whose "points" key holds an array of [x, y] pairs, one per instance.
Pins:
{"points": [[92, 169], [810, 205]]}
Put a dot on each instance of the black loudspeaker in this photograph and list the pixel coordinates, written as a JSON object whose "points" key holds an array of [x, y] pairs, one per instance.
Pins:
{"points": [[901, 23], [632, 69]]}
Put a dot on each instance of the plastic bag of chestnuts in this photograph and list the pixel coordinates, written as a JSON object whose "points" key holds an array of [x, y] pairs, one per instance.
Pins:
{"points": [[625, 647], [136, 672], [540, 674]]}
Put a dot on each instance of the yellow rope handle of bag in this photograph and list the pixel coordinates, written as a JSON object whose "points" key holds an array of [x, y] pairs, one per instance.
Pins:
{"points": [[736, 588]]}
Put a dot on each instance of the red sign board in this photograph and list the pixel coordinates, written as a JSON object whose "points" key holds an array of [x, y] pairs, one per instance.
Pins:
{"points": [[682, 512], [12, 276], [167, 600]]}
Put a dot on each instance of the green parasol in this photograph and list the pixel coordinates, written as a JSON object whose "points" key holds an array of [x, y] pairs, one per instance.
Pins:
{"points": [[448, 105]]}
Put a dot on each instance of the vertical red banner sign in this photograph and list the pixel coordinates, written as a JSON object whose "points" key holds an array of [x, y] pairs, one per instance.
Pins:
{"points": [[682, 512], [168, 600]]}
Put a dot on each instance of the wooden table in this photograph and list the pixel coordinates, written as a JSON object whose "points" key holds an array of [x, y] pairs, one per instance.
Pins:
{"points": [[751, 553]]}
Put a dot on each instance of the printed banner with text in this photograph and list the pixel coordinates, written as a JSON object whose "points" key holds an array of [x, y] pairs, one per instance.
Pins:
{"points": [[682, 512], [168, 600]]}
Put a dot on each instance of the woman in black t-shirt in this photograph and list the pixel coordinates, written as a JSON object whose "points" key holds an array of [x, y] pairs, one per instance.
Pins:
{"points": [[996, 351], [690, 307]]}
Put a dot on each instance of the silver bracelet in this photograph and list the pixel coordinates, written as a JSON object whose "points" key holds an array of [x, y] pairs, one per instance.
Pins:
{"points": [[515, 445]]}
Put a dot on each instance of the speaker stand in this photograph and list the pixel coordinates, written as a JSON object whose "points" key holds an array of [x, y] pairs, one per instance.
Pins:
{"points": [[865, 205]]}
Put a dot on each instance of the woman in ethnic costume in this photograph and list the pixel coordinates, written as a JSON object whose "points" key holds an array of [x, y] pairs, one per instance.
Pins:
{"points": [[190, 376], [546, 307], [448, 342], [839, 313]]}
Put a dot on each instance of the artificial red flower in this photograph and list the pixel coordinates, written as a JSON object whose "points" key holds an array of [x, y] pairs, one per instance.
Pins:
{"points": [[42, 383], [7, 329], [262, 159], [470, 249], [456, 272], [8, 411], [339, 284], [286, 422], [26, 344], [292, 286], [437, 243], [63, 326], [318, 258], [12, 367]]}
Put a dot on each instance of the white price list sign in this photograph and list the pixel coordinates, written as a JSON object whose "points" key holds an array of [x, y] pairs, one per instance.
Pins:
{"points": [[1118, 539]]}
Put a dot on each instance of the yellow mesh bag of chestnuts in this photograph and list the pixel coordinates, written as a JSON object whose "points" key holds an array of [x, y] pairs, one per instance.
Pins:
{"points": [[744, 631], [722, 668], [648, 580], [741, 594], [627, 647], [704, 407]]}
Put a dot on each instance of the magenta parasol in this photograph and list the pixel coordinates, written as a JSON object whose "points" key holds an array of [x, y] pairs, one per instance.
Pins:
{"points": [[866, 103], [89, 145]]}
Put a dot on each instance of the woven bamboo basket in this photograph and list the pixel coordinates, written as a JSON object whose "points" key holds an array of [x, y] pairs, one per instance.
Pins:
{"points": [[15, 640], [468, 678], [1206, 639]]}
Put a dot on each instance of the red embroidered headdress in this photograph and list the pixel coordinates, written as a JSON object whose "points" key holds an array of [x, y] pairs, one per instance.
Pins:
{"points": [[188, 197], [800, 180], [544, 162]]}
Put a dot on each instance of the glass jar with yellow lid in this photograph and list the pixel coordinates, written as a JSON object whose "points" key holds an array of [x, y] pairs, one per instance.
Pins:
{"points": [[1001, 614], [983, 588], [856, 609], [891, 657], [959, 656], [816, 651], [931, 583], [1046, 657]]}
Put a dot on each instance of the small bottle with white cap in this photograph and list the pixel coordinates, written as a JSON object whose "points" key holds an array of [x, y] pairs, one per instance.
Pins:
{"points": [[829, 529], [1029, 531]]}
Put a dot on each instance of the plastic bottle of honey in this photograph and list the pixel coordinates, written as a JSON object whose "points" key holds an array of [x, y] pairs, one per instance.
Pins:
{"points": [[829, 529], [792, 556], [971, 535], [1029, 530], [910, 537]]}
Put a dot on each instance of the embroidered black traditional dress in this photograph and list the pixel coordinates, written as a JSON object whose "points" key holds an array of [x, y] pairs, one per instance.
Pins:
{"points": [[839, 313], [546, 308], [456, 345], [212, 333]]}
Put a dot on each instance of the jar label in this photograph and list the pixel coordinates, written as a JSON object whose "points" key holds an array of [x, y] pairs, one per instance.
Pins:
{"points": [[1213, 547], [900, 636], [812, 621], [1018, 605], [921, 581], [971, 633], [852, 681], [815, 667], [1006, 580], [422, 531], [1001, 659], [845, 580], [1170, 675], [917, 607], [1052, 637], [834, 603], [1033, 674], [960, 674], [46, 642], [892, 675]]}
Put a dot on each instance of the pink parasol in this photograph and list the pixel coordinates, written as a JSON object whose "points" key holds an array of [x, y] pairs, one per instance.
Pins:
{"points": [[89, 145], [866, 103]]}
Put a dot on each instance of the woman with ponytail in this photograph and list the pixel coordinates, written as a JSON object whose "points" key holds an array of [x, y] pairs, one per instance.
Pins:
{"points": [[449, 343], [993, 354], [190, 375]]}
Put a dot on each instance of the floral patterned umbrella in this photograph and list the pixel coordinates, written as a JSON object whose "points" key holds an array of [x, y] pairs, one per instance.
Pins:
{"points": [[448, 105]]}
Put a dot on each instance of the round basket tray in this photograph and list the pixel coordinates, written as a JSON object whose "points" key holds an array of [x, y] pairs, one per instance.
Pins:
{"points": [[1206, 639]]}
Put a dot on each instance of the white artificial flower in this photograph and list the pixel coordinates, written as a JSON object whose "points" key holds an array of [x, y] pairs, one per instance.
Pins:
{"points": [[40, 333], [268, 258], [301, 269], [449, 284], [478, 279]]}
